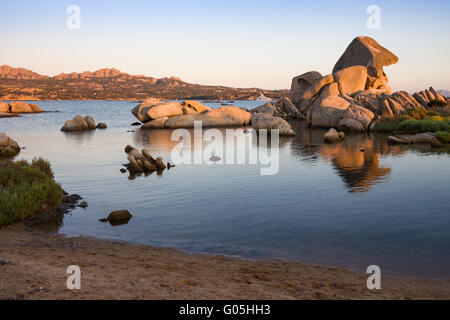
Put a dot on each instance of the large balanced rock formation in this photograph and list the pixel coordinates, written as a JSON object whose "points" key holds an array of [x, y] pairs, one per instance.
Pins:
{"points": [[80, 123], [8, 147], [19, 107], [366, 52], [355, 96]]}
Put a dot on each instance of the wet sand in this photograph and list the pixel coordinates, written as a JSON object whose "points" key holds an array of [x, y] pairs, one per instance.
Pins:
{"points": [[33, 266]]}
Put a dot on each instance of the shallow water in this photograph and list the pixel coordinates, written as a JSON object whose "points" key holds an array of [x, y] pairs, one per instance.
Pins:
{"points": [[354, 204]]}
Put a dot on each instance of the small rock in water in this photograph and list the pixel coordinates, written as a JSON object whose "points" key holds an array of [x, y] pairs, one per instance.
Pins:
{"points": [[119, 217], [102, 125], [136, 124], [83, 204], [215, 158], [123, 170]]}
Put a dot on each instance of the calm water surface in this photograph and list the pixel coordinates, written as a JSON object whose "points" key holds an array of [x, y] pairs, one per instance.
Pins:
{"points": [[354, 204]]}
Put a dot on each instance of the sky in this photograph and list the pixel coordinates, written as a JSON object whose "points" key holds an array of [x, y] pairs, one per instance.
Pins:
{"points": [[242, 43]]}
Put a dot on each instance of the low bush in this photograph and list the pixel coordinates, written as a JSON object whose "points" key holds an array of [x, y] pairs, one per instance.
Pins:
{"points": [[426, 125], [443, 136], [27, 188]]}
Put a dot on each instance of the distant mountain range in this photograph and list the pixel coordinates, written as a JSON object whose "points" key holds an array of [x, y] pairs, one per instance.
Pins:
{"points": [[445, 93], [105, 84]]}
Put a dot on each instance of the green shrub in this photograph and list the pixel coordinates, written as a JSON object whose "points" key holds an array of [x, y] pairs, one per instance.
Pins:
{"points": [[386, 125], [443, 136], [25, 189], [426, 125], [436, 103]]}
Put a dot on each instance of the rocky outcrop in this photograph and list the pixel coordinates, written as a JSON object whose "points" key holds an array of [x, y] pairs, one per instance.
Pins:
{"points": [[266, 121], [80, 123], [427, 96], [357, 93], [222, 117], [301, 83], [17, 107], [157, 114], [143, 162], [426, 138], [8, 147]]}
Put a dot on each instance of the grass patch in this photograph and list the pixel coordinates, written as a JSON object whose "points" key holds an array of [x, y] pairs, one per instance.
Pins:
{"points": [[25, 189], [425, 125], [416, 121], [443, 136]]}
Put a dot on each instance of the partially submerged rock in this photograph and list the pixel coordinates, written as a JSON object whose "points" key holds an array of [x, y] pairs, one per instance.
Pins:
{"points": [[332, 136], [265, 121], [153, 109], [118, 217], [8, 147], [143, 162], [427, 138], [17, 107], [80, 123], [358, 79], [23, 107]]}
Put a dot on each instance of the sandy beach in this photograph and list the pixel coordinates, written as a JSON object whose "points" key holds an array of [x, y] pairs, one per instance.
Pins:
{"points": [[33, 266]]}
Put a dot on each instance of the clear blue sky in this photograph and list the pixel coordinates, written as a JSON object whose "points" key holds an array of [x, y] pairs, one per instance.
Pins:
{"points": [[235, 43]]}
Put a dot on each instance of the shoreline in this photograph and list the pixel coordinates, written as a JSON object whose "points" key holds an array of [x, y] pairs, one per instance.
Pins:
{"points": [[33, 266]]}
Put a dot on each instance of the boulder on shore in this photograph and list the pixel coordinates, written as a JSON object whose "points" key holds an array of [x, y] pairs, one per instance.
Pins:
{"points": [[8, 147]]}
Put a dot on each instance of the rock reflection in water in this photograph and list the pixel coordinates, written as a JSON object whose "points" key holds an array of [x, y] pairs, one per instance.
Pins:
{"points": [[356, 159]]}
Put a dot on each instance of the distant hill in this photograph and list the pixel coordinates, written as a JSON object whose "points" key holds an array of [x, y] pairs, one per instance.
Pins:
{"points": [[105, 84], [445, 93]]}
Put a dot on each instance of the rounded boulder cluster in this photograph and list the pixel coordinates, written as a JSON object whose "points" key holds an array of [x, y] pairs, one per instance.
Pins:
{"points": [[80, 123]]}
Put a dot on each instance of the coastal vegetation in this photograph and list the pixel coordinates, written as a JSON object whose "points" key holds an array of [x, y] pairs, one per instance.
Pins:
{"points": [[27, 188], [419, 121]]}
